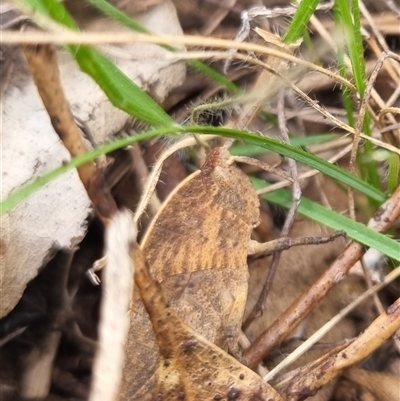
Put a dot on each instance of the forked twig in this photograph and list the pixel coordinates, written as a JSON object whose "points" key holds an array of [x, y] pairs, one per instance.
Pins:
{"points": [[290, 218], [302, 306]]}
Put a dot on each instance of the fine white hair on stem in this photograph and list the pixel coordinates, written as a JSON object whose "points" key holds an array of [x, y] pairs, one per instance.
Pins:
{"points": [[121, 233]]}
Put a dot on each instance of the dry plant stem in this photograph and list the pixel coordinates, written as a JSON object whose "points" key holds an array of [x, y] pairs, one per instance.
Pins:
{"points": [[387, 66], [38, 365], [118, 274], [71, 37], [359, 125], [380, 38], [290, 218], [380, 330], [315, 105], [284, 243], [302, 306], [320, 333], [42, 63], [394, 110]]}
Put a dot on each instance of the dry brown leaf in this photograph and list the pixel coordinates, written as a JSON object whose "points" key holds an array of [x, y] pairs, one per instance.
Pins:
{"points": [[190, 367], [197, 248]]}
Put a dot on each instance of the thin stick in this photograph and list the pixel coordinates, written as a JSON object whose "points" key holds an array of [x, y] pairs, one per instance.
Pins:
{"points": [[290, 218], [380, 330], [118, 279], [383, 219], [320, 333], [43, 65], [71, 37]]}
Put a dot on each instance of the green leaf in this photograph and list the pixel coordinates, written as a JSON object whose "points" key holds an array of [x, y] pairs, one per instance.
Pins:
{"points": [[270, 144], [253, 150], [354, 230], [300, 20], [28, 189], [299, 155], [121, 90], [113, 12], [393, 172]]}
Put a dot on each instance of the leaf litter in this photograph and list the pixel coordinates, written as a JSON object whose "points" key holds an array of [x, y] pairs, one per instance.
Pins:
{"points": [[187, 359]]}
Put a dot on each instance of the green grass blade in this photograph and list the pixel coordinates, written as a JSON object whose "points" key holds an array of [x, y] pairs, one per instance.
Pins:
{"points": [[354, 42], [122, 91], [349, 20], [297, 154], [354, 230], [300, 156], [393, 172], [253, 150], [113, 12], [24, 192], [300, 20]]}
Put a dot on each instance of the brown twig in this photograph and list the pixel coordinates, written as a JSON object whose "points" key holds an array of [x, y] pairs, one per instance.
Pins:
{"points": [[42, 63], [301, 307], [260, 304], [380, 330], [320, 333]]}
